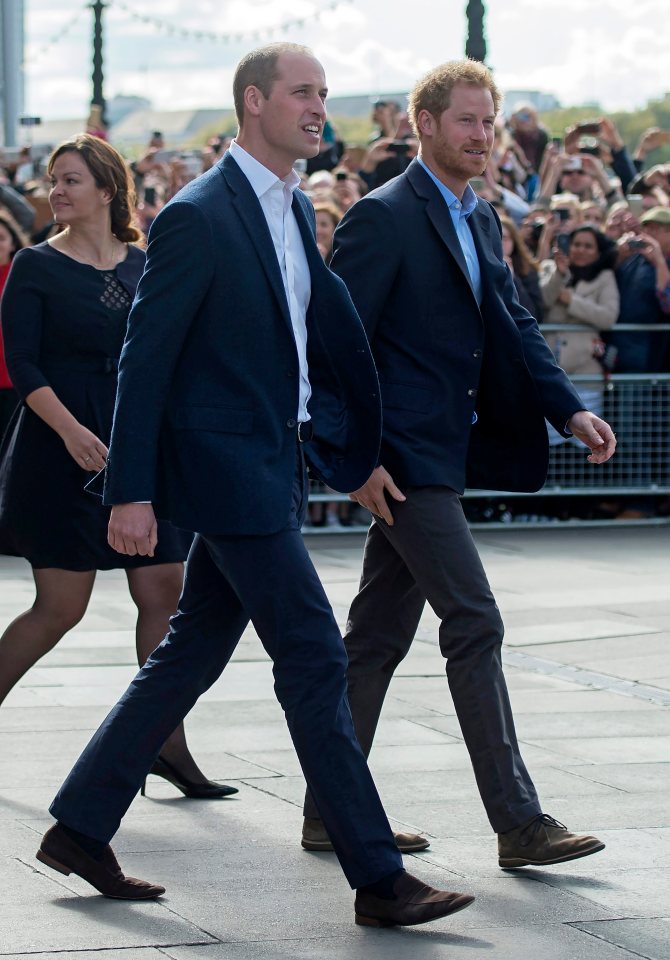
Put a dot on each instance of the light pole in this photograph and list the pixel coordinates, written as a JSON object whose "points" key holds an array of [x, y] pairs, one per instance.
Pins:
{"points": [[475, 45], [98, 99]]}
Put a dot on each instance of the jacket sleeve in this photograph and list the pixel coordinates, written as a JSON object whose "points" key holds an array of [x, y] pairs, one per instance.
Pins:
{"points": [[22, 312], [558, 398], [366, 255], [601, 309], [178, 272]]}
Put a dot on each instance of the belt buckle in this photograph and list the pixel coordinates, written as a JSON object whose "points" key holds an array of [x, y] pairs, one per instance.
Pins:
{"points": [[305, 431]]}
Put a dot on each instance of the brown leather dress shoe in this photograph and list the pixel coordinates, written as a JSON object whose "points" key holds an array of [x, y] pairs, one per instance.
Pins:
{"points": [[414, 902], [61, 853], [315, 838], [543, 841]]}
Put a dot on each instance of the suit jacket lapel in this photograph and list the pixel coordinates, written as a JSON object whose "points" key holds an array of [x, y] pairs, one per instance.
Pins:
{"points": [[480, 225], [439, 215], [251, 214]]}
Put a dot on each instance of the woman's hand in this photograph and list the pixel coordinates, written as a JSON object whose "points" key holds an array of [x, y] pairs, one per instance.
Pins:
{"points": [[85, 449], [562, 264], [565, 296]]}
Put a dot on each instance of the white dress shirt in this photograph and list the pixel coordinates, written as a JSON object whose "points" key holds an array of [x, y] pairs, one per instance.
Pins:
{"points": [[275, 197]]}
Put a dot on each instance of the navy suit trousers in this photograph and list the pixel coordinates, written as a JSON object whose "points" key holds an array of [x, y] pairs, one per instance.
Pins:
{"points": [[229, 581]]}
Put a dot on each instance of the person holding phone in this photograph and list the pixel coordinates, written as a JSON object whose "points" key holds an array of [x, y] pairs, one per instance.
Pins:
{"points": [[643, 275], [64, 312], [579, 287]]}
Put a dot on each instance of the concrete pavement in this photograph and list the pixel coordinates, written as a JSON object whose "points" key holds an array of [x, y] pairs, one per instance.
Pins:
{"points": [[588, 638]]}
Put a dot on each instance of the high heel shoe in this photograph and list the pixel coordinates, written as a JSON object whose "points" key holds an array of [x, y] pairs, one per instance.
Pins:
{"points": [[195, 791]]}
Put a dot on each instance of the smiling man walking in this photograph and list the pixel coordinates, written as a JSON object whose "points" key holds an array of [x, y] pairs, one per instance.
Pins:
{"points": [[466, 381], [244, 359]]}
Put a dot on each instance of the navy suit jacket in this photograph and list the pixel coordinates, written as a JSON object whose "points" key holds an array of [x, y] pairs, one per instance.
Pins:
{"points": [[440, 358], [204, 425]]}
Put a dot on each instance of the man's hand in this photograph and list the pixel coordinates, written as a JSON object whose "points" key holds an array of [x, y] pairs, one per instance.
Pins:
{"points": [[133, 529], [372, 495], [595, 433]]}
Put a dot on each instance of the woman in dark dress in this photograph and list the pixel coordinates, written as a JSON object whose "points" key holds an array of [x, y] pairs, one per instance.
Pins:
{"points": [[64, 313]]}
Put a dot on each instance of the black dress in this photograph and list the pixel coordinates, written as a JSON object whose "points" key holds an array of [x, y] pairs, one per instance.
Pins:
{"points": [[63, 325]]}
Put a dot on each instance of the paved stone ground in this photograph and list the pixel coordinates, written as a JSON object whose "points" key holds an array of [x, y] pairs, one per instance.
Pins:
{"points": [[588, 617]]}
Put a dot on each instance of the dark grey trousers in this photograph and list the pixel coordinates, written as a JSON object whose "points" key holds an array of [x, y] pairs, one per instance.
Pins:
{"points": [[429, 554]]}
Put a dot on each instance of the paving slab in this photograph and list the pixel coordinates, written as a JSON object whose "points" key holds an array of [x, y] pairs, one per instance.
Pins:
{"points": [[238, 883], [440, 940], [645, 938]]}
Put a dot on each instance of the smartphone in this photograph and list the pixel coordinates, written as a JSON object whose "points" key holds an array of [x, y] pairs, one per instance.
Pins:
{"points": [[574, 163], [341, 175], [150, 196], [563, 242], [164, 156], [557, 142], [398, 146], [589, 126], [635, 202], [563, 213]]}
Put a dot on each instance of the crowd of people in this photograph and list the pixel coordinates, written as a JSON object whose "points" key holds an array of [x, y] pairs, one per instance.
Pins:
{"points": [[585, 221]]}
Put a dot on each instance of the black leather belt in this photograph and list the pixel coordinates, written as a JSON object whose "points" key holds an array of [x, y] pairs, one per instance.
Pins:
{"points": [[305, 431]]}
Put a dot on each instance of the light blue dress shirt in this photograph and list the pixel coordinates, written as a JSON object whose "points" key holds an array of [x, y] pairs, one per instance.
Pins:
{"points": [[460, 211]]}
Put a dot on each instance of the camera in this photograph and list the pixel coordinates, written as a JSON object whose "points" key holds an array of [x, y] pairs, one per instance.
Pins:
{"points": [[563, 213], [589, 126], [637, 243], [398, 146], [341, 175]]}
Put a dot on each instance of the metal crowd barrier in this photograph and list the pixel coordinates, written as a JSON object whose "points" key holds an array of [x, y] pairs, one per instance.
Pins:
{"points": [[637, 406]]}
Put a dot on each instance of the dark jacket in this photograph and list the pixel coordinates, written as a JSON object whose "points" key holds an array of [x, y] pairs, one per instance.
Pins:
{"points": [[205, 424], [638, 352], [440, 359]]}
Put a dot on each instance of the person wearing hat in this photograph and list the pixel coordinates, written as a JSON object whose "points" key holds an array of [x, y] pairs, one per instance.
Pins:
{"points": [[656, 234]]}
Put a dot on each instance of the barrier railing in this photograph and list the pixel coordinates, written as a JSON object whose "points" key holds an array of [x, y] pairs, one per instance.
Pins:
{"points": [[637, 406]]}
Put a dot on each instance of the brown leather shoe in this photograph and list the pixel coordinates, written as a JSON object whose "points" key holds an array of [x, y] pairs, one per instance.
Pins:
{"points": [[61, 853], [315, 838], [414, 903], [543, 841]]}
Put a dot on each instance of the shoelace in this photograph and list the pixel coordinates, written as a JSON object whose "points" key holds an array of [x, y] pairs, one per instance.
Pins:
{"points": [[531, 829]]}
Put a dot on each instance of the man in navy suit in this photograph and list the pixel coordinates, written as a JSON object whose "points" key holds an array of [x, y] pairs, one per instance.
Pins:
{"points": [[244, 359], [466, 381]]}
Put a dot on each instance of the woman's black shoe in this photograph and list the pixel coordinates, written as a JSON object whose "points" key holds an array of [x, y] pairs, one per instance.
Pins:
{"points": [[195, 791]]}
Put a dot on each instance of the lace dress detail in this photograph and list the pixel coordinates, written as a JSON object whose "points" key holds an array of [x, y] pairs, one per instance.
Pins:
{"points": [[115, 296]]}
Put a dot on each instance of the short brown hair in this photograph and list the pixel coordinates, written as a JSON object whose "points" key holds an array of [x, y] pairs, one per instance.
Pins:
{"points": [[109, 170], [433, 92], [258, 68]]}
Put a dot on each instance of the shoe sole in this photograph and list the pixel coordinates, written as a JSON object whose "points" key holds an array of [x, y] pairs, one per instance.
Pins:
{"points": [[325, 846], [461, 904], [513, 863], [66, 871]]}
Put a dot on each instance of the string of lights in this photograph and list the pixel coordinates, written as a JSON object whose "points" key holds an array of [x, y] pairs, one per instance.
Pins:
{"points": [[168, 28], [237, 36], [58, 36]]}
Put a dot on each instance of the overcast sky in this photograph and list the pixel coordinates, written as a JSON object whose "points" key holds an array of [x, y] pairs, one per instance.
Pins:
{"points": [[613, 51]]}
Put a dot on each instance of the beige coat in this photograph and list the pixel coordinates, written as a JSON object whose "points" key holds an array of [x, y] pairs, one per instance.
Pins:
{"points": [[594, 303]]}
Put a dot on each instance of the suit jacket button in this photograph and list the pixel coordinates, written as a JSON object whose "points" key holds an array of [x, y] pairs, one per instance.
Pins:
{"points": [[477, 354], [290, 423], [472, 392]]}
